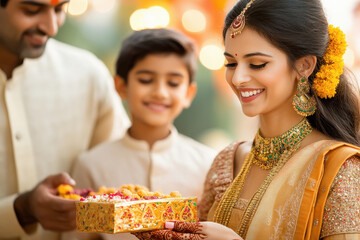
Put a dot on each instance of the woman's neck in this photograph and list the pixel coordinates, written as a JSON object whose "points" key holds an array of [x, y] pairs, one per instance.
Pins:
{"points": [[273, 124]]}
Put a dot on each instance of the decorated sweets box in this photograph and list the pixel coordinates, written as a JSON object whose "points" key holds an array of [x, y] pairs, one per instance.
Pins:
{"points": [[130, 209], [114, 216]]}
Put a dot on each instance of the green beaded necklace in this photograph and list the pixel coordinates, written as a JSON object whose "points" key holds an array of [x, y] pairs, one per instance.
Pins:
{"points": [[267, 151]]}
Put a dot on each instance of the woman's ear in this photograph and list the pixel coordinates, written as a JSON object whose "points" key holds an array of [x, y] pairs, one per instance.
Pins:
{"points": [[306, 65], [190, 94], [120, 86]]}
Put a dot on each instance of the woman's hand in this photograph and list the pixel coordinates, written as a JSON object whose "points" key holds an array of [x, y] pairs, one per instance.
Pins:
{"points": [[190, 231]]}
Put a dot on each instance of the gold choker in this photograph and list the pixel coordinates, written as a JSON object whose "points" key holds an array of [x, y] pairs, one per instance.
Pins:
{"points": [[267, 151]]}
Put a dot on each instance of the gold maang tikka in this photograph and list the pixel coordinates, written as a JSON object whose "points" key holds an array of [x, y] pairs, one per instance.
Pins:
{"points": [[238, 24]]}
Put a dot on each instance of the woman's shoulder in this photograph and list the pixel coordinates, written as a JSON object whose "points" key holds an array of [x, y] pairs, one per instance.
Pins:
{"points": [[315, 137], [323, 144], [230, 151], [223, 164], [342, 205]]}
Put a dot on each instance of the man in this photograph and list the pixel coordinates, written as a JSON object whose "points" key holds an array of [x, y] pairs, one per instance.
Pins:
{"points": [[56, 102]]}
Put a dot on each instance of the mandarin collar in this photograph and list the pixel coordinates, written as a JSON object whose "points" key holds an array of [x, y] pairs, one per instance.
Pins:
{"points": [[158, 146]]}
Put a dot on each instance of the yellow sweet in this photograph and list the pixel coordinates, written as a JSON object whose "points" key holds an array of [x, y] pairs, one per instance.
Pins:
{"points": [[64, 189], [126, 192]]}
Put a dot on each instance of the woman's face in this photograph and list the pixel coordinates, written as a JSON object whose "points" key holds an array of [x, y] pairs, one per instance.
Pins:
{"points": [[259, 74]]}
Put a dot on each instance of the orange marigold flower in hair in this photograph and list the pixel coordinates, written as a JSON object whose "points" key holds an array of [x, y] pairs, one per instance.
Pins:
{"points": [[328, 77]]}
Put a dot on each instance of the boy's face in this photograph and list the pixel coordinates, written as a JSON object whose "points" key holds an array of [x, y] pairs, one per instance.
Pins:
{"points": [[26, 25], [157, 90]]}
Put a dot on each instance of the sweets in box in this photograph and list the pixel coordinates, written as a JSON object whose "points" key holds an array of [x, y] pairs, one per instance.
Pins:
{"points": [[131, 209], [67, 191]]}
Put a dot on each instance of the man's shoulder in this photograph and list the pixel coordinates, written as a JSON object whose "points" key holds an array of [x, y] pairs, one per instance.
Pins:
{"points": [[71, 62], [68, 53]]}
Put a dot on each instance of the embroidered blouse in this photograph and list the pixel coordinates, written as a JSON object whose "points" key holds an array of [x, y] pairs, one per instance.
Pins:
{"points": [[342, 209]]}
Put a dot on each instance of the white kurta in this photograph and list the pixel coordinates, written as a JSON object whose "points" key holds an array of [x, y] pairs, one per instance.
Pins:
{"points": [[52, 109], [177, 163]]}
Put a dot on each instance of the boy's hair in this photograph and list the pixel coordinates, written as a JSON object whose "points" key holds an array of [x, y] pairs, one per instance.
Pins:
{"points": [[155, 41], [3, 2]]}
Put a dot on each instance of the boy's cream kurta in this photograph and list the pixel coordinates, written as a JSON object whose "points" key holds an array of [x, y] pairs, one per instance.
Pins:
{"points": [[177, 163]]}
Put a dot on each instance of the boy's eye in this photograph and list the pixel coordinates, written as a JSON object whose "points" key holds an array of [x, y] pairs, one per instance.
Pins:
{"points": [[145, 81], [173, 83], [254, 66]]}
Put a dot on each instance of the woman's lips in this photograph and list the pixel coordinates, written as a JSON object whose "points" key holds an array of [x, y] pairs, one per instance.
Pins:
{"points": [[248, 95]]}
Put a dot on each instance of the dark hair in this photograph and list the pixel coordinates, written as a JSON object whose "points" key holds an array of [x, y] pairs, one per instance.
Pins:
{"points": [[155, 41], [299, 28], [3, 3]]}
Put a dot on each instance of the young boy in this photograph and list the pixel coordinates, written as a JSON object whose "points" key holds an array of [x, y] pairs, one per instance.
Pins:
{"points": [[155, 75]]}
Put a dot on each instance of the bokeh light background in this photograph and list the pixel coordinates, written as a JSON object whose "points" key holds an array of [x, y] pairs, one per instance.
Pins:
{"points": [[215, 116]]}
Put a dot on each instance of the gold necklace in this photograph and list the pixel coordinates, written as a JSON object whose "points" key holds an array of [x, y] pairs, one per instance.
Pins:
{"points": [[255, 200], [224, 209], [267, 151]]}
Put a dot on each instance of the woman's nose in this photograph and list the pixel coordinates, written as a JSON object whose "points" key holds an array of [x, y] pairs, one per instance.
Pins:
{"points": [[240, 78]]}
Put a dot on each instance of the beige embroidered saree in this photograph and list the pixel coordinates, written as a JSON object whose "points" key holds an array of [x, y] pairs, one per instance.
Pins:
{"points": [[298, 198]]}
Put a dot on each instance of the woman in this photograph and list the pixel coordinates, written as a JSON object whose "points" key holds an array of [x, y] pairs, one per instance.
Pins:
{"points": [[299, 178]]}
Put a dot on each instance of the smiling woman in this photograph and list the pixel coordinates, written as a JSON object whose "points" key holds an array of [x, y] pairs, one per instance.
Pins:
{"points": [[261, 68], [285, 65]]}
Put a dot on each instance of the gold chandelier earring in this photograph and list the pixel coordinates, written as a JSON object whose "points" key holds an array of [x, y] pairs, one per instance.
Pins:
{"points": [[303, 103]]}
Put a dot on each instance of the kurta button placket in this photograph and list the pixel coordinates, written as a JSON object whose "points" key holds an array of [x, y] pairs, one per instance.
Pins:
{"points": [[18, 136], [21, 140]]}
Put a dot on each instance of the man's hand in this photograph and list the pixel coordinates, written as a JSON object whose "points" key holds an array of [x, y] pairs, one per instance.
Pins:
{"points": [[42, 205]]}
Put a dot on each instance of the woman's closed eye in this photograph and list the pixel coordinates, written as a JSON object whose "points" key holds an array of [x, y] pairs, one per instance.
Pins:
{"points": [[258, 66], [230, 65]]}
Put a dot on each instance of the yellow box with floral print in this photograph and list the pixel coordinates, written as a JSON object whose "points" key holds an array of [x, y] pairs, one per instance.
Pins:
{"points": [[133, 216]]}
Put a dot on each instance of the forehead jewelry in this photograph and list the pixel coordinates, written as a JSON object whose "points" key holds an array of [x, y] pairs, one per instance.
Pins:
{"points": [[239, 22]]}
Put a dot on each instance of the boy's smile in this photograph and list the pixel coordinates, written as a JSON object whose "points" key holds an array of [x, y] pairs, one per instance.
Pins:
{"points": [[157, 106], [157, 90]]}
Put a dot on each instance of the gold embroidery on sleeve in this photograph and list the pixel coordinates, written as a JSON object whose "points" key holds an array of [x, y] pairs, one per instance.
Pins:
{"points": [[342, 208]]}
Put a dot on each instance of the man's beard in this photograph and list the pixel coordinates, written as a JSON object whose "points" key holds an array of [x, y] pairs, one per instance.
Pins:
{"points": [[28, 50]]}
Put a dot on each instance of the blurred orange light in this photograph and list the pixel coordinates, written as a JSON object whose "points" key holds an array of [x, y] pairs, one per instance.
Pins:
{"points": [[78, 7], [137, 19], [103, 5], [153, 17], [212, 57], [156, 17], [194, 21]]}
